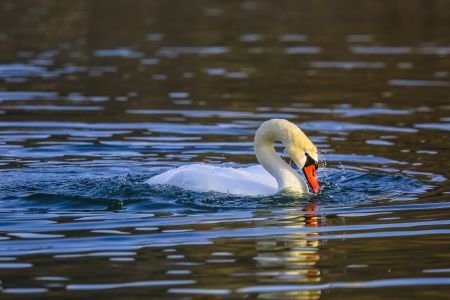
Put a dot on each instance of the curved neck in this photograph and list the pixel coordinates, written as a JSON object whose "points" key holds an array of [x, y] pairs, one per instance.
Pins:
{"points": [[265, 152]]}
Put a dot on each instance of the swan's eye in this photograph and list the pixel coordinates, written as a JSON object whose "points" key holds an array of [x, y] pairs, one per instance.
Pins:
{"points": [[310, 161]]}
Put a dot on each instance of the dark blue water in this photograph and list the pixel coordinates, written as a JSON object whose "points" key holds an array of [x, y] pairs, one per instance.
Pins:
{"points": [[67, 190], [97, 97]]}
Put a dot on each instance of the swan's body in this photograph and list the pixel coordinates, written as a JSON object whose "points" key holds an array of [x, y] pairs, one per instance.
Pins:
{"points": [[251, 181], [273, 175]]}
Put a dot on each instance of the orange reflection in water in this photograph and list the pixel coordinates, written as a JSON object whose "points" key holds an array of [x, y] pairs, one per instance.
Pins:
{"points": [[292, 258]]}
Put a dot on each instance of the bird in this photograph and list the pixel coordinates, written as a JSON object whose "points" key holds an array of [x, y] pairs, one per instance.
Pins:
{"points": [[273, 175]]}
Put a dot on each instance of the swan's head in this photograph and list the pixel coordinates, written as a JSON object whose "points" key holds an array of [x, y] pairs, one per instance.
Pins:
{"points": [[304, 153], [299, 147]]}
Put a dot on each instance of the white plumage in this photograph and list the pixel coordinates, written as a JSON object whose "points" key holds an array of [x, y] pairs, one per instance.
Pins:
{"points": [[251, 181], [273, 175]]}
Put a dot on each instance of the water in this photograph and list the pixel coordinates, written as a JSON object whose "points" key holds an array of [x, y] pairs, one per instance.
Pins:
{"points": [[97, 97]]}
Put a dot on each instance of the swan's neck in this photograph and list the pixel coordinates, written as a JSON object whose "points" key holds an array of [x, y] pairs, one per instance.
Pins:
{"points": [[286, 177]]}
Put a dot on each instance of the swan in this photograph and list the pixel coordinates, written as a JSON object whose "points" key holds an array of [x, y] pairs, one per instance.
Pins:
{"points": [[271, 176]]}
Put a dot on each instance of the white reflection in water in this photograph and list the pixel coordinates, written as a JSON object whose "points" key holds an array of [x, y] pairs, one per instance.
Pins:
{"points": [[303, 50], [418, 83], [103, 286], [347, 65], [289, 38], [360, 38], [381, 50], [251, 37], [120, 52]]}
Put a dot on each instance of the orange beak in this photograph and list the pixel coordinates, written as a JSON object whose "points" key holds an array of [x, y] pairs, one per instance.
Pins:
{"points": [[310, 172]]}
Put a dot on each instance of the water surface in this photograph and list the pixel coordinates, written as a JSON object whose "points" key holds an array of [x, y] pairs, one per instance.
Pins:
{"points": [[97, 97]]}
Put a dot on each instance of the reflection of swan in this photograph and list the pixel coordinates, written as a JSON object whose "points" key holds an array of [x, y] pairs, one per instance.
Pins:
{"points": [[255, 180], [288, 258]]}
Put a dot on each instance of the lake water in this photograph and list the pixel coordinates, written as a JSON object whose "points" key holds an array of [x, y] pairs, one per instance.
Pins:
{"points": [[98, 96]]}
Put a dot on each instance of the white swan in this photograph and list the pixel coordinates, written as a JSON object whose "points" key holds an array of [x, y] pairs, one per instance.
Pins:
{"points": [[273, 175]]}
